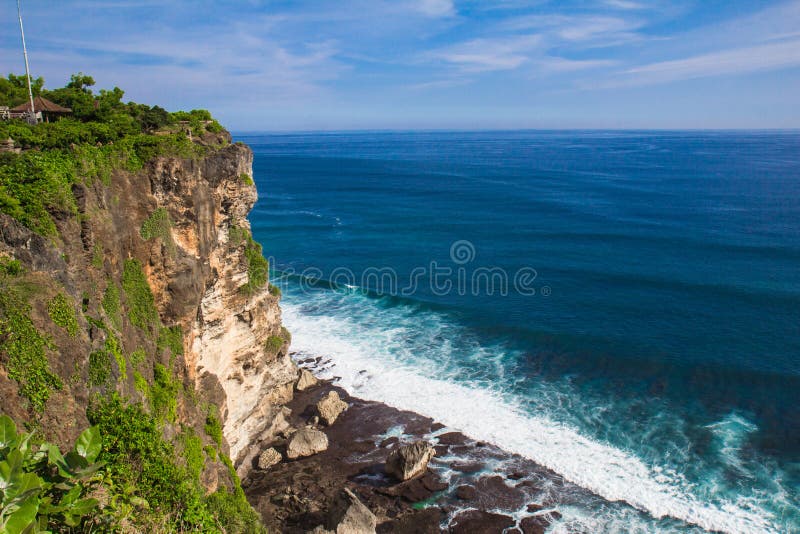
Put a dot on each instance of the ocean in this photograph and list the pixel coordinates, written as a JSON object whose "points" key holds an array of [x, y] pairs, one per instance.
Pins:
{"points": [[620, 307]]}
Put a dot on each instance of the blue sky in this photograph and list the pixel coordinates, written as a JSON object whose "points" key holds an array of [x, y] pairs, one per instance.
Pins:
{"points": [[374, 64]]}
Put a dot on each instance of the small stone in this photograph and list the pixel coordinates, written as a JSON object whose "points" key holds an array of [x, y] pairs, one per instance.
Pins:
{"points": [[409, 461], [330, 407], [306, 380], [314, 421], [306, 442], [268, 458]]}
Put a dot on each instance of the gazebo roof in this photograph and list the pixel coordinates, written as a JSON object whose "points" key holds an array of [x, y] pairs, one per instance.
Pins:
{"points": [[42, 104]]}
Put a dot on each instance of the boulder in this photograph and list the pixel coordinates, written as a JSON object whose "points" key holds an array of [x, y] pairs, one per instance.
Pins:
{"points": [[306, 442], [348, 515], [538, 524], [330, 407], [409, 461], [306, 380], [268, 458]]}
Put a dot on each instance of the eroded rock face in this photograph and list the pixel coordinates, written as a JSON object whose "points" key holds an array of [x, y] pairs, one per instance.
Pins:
{"points": [[268, 458], [306, 442], [306, 380], [409, 461], [330, 407], [349, 515]]}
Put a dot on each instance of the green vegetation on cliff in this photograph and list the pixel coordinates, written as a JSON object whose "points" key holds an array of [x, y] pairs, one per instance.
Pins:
{"points": [[91, 339]]}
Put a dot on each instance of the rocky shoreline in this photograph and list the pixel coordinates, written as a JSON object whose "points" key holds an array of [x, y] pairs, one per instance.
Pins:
{"points": [[468, 486]]}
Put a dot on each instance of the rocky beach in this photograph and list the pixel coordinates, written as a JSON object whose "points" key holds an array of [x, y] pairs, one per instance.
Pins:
{"points": [[467, 486]]}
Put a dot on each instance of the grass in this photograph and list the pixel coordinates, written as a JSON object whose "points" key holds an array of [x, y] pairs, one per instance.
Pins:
{"points": [[257, 267], [213, 425], [246, 179], [171, 337], [274, 344]]}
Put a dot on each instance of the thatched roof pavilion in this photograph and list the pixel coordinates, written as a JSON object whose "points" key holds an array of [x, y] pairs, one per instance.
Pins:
{"points": [[47, 108]]}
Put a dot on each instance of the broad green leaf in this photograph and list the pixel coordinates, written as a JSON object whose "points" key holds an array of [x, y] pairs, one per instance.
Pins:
{"points": [[71, 496], [5, 475], [89, 444], [8, 431], [22, 518], [84, 507], [75, 461], [55, 458]]}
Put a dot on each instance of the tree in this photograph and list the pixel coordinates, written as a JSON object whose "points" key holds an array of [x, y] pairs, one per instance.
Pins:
{"points": [[14, 89]]}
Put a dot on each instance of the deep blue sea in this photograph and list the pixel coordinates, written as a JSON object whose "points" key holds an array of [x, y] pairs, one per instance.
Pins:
{"points": [[621, 307]]}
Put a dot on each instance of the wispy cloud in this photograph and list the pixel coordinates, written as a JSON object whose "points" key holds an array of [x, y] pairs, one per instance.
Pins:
{"points": [[624, 4], [436, 8], [727, 62], [485, 55]]}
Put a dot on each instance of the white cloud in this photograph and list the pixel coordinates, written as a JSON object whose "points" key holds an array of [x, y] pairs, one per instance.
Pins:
{"points": [[728, 62], [436, 8], [484, 55], [624, 4], [560, 64]]}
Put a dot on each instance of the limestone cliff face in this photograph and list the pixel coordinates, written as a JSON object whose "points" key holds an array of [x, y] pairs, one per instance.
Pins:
{"points": [[203, 289], [195, 262]]}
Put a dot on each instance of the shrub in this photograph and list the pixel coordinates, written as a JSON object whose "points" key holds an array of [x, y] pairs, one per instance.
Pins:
{"points": [[164, 394], [274, 290], [99, 367], [274, 344], [43, 489], [139, 299], [246, 179], [26, 350], [213, 426], [257, 267], [171, 338], [10, 267], [137, 357], [159, 225], [63, 314]]}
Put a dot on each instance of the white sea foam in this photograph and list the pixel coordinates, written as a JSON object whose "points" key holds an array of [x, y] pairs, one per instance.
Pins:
{"points": [[359, 341]]}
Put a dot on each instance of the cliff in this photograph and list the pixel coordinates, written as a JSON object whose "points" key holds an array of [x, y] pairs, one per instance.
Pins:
{"points": [[151, 289]]}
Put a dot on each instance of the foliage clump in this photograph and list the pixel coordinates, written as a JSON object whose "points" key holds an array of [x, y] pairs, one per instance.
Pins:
{"points": [[274, 344], [171, 337], [25, 350], [213, 425], [159, 225], [111, 304], [164, 394], [141, 305], [257, 266], [145, 469], [63, 314], [41, 489], [246, 179]]}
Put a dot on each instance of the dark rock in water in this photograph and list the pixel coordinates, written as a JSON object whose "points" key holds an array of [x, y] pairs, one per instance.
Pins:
{"points": [[493, 493], [533, 507], [477, 521], [516, 475], [466, 493], [419, 522], [418, 489], [513, 531], [473, 467], [441, 450], [452, 438], [435, 427], [537, 524], [388, 442], [409, 461]]}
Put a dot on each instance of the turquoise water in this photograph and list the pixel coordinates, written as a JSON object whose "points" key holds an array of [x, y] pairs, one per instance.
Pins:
{"points": [[622, 307]]}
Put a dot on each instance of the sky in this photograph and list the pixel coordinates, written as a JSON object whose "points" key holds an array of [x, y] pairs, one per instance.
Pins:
{"points": [[429, 64]]}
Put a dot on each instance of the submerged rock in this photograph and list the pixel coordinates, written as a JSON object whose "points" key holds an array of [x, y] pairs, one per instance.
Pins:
{"points": [[306, 442], [306, 380], [330, 407], [537, 524], [268, 458], [409, 461], [473, 521]]}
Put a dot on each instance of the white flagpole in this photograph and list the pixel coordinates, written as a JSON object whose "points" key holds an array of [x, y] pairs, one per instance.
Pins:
{"points": [[32, 116]]}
